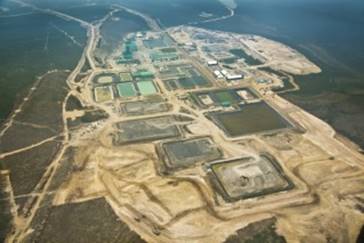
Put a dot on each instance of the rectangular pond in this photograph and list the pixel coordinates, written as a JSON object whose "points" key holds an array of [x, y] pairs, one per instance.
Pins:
{"points": [[248, 177], [146, 87], [250, 118], [126, 89]]}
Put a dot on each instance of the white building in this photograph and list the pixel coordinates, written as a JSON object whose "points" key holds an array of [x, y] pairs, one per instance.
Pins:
{"points": [[211, 62], [224, 72], [234, 77], [218, 74]]}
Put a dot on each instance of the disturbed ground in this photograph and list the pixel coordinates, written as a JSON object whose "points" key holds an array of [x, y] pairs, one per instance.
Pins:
{"points": [[68, 179]]}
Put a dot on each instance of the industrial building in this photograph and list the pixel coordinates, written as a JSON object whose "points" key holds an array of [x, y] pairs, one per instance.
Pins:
{"points": [[127, 55], [212, 62], [159, 56], [230, 76], [218, 74], [234, 76], [182, 76]]}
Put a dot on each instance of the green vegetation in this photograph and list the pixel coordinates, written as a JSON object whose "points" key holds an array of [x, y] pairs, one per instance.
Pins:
{"points": [[89, 117], [114, 30], [22, 135], [45, 106], [93, 116], [26, 55], [41, 117], [259, 232], [27, 168], [73, 103], [94, 220], [5, 214]]}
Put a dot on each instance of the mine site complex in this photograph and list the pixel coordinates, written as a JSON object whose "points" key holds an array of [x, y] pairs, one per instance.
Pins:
{"points": [[183, 134]]}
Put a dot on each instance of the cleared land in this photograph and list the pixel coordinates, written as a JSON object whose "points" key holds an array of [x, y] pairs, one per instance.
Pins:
{"points": [[248, 177], [105, 78], [145, 130], [184, 153], [223, 97], [104, 94], [149, 106], [126, 77]]}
